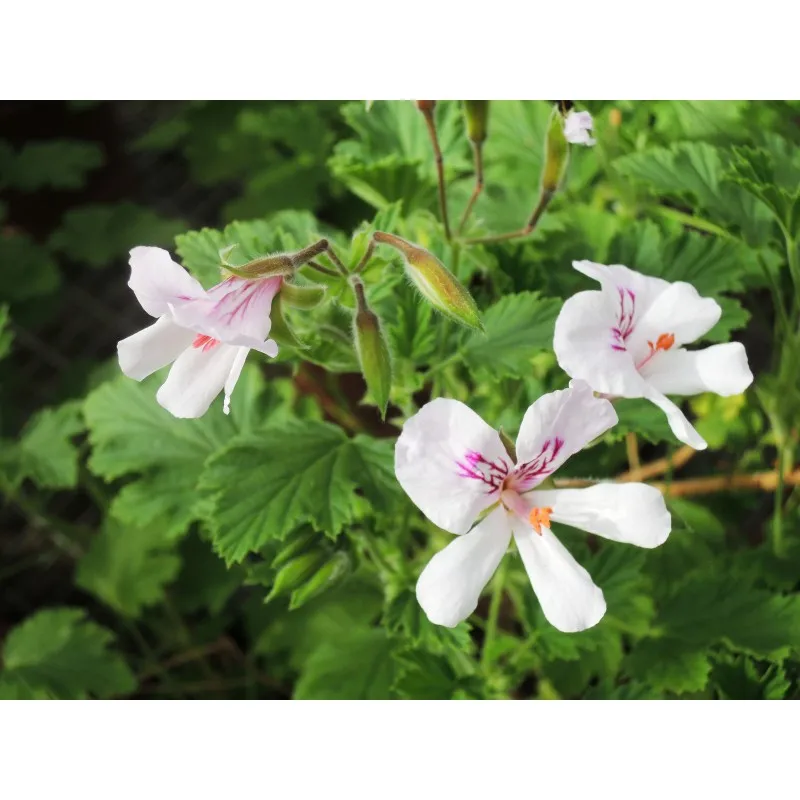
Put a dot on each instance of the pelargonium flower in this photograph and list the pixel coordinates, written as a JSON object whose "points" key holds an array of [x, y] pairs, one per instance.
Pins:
{"points": [[578, 128], [455, 468], [207, 334], [626, 340]]}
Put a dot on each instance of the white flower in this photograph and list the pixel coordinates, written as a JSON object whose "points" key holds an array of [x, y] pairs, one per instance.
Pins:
{"points": [[454, 466], [208, 334], [626, 340], [578, 128]]}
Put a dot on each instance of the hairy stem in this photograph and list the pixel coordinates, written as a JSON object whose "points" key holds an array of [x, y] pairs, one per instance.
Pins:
{"points": [[427, 110], [477, 151], [544, 200]]}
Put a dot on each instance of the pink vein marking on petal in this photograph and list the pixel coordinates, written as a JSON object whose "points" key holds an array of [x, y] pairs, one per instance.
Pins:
{"points": [[477, 467], [625, 315], [533, 472]]}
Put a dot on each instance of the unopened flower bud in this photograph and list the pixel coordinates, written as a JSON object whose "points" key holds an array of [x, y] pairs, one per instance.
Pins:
{"points": [[272, 266], [372, 350], [615, 117], [556, 153], [299, 543], [436, 283], [477, 116], [326, 577], [303, 297], [296, 572], [425, 105]]}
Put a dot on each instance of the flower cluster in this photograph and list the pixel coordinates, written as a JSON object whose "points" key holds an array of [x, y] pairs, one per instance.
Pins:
{"points": [[625, 339]]}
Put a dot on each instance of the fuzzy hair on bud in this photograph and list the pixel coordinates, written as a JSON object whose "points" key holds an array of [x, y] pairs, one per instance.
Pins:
{"points": [[435, 282]]}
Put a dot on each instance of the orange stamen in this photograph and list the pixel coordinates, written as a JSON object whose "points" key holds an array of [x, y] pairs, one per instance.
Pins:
{"points": [[539, 517], [664, 342]]}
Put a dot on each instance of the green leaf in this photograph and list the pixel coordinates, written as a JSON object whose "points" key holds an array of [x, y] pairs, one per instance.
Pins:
{"points": [[696, 171], [262, 487], [517, 327], [718, 608], [130, 433], [353, 606], [358, 666], [127, 568], [100, 235], [62, 653], [56, 164], [164, 499], [26, 269], [669, 665], [404, 616], [739, 678], [392, 159], [49, 458], [775, 181], [701, 119], [711, 264]]}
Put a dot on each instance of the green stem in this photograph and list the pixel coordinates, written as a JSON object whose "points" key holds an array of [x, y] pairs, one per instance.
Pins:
{"points": [[690, 221], [777, 519], [498, 585]]}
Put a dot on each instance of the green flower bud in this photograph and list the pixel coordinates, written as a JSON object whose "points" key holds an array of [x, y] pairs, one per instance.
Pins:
{"points": [[477, 115], [280, 330], [304, 297], [266, 267], [272, 266], [299, 543], [372, 350], [556, 153], [296, 572], [436, 283], [326, 577]]}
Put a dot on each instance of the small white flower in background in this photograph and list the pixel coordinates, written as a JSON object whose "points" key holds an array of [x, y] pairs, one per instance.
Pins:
{"points": [[208, 334], [626, 340], [578, 128], [454, 466]]}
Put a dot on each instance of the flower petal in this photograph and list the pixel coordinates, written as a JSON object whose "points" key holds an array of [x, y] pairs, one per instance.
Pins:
{"points": [[451, 584], [612, 278], [158, 282], [154, 347], [680, 310], [678, 423], [585, 346], [568, 596], [721, 368], [233, 377], [450, 463], [625, 512], [556, 426], [195, 379], [578, 127], [236, 311]]}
